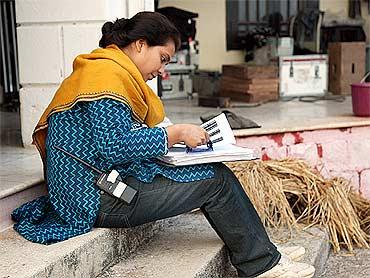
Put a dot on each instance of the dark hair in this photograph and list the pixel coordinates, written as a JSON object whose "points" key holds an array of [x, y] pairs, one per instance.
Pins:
{"points": [[153, 27]]}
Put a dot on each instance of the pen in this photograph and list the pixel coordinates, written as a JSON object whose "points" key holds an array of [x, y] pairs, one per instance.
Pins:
{"points": [[209, 148]]}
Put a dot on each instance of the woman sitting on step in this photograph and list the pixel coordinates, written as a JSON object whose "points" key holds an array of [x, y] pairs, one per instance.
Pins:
{"points": [[106, 114]]}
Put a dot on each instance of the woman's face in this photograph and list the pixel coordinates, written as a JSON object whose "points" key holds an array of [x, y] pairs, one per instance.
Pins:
{"points": [[151, 60]]}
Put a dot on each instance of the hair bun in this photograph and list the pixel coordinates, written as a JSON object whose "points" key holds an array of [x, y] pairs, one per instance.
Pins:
{"points": [[120, 24], [107, 28]]}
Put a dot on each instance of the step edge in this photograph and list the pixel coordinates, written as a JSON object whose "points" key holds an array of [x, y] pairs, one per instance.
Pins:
{"points": [[217, 266], [19, 188], [13, 201], [112, 241], [323, 255], [102, 248]]}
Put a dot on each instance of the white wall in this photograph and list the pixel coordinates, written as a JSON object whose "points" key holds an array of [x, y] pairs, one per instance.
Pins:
{"points": [[334, 6], [51, 33], [211, 32]]}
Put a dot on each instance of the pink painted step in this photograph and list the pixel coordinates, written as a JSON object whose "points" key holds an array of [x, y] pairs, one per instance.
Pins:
{"points": [[341, 152]]}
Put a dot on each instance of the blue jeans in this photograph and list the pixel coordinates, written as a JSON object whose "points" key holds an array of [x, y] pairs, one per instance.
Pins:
{"points": [[221, 199]]}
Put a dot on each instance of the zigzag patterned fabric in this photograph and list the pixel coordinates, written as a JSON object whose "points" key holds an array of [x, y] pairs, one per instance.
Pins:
{"points": [[103, 134]]}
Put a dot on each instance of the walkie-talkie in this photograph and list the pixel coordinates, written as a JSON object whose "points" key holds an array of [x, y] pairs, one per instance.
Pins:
{"points": [[110, 183]]}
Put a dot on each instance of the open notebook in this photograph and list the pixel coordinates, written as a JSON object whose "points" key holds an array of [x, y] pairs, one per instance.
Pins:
{"points": [[223, 144]]}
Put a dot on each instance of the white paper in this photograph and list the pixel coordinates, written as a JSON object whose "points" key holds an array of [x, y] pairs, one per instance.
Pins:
{"points": [[223, 150], [225, 132], [229, 152]]}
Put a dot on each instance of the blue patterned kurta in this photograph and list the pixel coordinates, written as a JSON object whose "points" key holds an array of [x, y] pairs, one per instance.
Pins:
{"points": [[104, 134]]}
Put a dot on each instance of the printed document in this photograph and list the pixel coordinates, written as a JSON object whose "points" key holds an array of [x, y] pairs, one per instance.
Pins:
{"points": [[223, 147]]}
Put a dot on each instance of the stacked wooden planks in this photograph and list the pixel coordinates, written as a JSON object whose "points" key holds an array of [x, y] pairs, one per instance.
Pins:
{"points": [[242, 82]]}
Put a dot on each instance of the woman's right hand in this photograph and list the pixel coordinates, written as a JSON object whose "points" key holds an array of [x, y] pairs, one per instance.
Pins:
{"points": [[191, 135]]}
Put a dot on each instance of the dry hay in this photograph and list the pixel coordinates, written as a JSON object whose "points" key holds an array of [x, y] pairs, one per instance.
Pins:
{"points": [[362, 207], [287, 192]]}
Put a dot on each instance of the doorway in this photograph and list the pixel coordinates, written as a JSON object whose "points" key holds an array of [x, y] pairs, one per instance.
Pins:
{"points": [[9, 76]]}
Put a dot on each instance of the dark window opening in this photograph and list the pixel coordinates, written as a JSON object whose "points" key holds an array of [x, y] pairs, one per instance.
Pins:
{"points": [[10, 130], [9, 78], [271, 16]]}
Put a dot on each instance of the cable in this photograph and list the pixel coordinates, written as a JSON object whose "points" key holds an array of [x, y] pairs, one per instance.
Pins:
{"points": [[286, 99], [338, 98], [246, 105]]}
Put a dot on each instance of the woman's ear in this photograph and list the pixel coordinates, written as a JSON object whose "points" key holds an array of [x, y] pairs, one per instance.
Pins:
{"points": [[139, 44]]}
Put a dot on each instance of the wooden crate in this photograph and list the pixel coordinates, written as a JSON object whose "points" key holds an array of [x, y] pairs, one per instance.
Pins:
{"points": [[242, 82], [346, 66], [250, 96], [244, 71], [245, 85]]}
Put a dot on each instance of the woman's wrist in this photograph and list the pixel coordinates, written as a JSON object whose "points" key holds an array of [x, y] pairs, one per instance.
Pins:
{"points": [[174, 133]]}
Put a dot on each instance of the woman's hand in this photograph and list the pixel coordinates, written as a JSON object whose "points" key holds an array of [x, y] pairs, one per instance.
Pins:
{"points": [[191, 135]]}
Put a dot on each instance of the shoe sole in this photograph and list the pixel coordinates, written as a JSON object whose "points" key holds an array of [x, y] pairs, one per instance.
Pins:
{"points": [[296, 255]]}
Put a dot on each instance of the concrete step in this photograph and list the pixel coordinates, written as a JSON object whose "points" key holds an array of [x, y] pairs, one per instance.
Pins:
{"points": [[83, 256], [21, 180], [188, 247], [185, 246]]}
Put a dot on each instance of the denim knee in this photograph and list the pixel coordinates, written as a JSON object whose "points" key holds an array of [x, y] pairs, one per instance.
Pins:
{"points": [[226, 177], [223, 188], [222, 172]]}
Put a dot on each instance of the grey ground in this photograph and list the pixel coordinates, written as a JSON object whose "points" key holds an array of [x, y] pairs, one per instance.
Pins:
{"points": [[343, 265]]}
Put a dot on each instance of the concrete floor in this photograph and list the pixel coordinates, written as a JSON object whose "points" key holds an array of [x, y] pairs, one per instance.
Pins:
{"points": [[269, 115], [180, 111]]}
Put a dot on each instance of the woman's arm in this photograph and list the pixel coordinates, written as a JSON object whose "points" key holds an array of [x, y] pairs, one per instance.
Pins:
{"points": [[119, 143], [114, 137]]}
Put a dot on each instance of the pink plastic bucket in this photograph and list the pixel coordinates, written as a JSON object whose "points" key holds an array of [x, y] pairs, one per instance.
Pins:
{"points": [[361, 98]]}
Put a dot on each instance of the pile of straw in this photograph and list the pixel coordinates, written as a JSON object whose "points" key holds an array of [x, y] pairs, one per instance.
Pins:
{"points": [[287, 192]]}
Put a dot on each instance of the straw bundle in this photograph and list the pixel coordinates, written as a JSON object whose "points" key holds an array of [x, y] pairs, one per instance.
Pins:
{"points": [[287, 192], [362, 207]]}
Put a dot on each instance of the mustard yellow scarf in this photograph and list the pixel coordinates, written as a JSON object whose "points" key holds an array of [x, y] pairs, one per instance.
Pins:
{"points": [[104, 73]]}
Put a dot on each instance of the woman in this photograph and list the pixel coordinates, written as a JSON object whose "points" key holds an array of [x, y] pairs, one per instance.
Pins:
{"points": [[105, 113]]}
